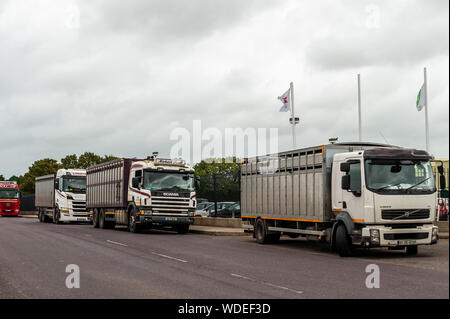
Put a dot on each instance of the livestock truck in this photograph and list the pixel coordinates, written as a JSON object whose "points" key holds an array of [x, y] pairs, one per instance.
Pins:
{"points": [[347, 194], [61, 197], [9, 199], [142, 193]]}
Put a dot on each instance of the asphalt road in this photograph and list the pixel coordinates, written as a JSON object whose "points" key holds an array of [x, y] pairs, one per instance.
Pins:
{"points": [[118, 264]]}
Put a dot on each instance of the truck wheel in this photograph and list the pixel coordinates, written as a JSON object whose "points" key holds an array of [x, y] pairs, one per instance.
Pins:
{"points": [[182, 229], [101, 219], [56, 216], [293, 235], [261, 232], [343, 243], [95, 218], [412, 250], [133, 227]]}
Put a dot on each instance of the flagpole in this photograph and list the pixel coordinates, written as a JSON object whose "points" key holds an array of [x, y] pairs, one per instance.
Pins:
{"points": [[427, 128], [294, 138], [359, 109]]}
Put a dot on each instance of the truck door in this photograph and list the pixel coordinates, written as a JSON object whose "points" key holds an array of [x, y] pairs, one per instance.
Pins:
{"points": [[352, 190]]}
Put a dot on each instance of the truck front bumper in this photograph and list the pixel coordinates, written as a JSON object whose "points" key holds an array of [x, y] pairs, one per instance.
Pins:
{"points": [[165, 220], [74, 217], [385, 236]]}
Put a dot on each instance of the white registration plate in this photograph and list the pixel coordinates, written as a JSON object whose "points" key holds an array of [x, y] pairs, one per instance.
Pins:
{"points": [[81, 219], [171, 219], [406, 242]]}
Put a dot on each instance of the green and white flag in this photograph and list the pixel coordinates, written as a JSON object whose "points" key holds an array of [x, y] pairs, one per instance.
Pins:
{"points": [[421, 99]]}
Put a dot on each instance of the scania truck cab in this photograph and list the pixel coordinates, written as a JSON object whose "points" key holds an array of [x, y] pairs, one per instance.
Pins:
{"points": [[142, 193], [62, 197], [9, 199], [385, 197]]}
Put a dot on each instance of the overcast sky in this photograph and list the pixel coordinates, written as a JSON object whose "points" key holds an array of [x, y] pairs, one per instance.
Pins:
{"points": [[115, 77]]}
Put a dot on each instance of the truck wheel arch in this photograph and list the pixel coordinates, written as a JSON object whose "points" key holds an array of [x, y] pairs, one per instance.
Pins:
{"points": [[341, 218]]}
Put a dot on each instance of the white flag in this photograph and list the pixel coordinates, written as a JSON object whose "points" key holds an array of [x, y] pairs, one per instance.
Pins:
{"points": [[286, 100], [421, 99]]}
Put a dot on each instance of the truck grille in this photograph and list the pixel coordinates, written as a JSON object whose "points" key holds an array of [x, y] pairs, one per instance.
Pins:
{"points": [[413, 214], [405, 236], [79, 206], [170, 204]]}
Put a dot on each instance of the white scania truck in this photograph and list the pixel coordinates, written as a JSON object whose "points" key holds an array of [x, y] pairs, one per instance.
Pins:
{"points": [[142, 193], [61, 197], [348, 194]]}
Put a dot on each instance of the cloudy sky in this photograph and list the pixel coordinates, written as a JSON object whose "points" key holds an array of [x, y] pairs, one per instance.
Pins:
{"points": [[116, 77]]}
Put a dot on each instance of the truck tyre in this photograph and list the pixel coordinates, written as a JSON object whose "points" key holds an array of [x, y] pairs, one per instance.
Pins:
{"points": [[412, 250], [133, 227], [182, 229], [343, 242], [56, 216], [101, 219], [293, 235], [95, 218], [261, 232]]}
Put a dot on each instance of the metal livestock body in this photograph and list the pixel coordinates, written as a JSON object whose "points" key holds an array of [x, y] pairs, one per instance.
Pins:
{"points": [[45, 191], [108, 184], [292, 186]]}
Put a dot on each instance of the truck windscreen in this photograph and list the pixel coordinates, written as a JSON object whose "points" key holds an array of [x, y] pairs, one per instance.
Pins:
{"points": [[399, 176], [74, 184], [9, 193], [164, 181]]}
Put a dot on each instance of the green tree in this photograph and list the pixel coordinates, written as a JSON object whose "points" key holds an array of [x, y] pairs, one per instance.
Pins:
{"points": [[41, 167], [70, 161], [2, 178], [227, 179]]}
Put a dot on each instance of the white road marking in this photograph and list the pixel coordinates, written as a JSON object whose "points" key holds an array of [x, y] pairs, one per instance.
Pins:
{"points": [[116, 243], [268, 284], [168, 257]]}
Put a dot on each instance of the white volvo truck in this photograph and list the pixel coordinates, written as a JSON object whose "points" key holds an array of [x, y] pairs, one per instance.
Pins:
{"points": [[348, 194], [61, 197]]}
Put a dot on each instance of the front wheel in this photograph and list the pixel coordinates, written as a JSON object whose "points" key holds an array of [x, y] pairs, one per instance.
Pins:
{"points": [[56, 216], [343, 242], [133, 227]]}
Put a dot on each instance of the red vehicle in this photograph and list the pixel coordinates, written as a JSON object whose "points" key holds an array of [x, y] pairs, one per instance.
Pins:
{"points": [[9, 199]]}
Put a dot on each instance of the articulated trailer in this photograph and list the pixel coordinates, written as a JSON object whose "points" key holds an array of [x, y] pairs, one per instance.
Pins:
{"points": [[141, 194], [347, 194]]}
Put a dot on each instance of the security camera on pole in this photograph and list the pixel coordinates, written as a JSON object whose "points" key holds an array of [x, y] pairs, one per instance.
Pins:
{"points": [[288, 105]]}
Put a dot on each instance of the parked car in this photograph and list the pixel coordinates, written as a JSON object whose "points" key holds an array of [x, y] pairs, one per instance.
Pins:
{"points": [[202, 209], [443, 208], [220, 206], [230, 211]]}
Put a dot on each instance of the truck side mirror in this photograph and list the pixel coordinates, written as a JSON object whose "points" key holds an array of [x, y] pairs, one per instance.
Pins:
{"points": [[345, 167], [57, 184], [442, 182], [135, 182], [441, 170], [197, 182], [345, 183]]}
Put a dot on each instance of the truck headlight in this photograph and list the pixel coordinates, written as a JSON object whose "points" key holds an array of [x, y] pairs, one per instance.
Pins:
{"points": [[375, 236], [434, 234]]}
